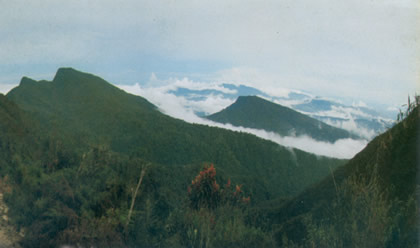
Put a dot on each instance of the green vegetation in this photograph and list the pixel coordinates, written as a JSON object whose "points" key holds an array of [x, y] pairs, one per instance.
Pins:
{"points": [[255, 112], [17, 141], [218, 216], [84, 111], [370, 202], [410, 106], [78, 153], [86, 164], [361, 216]]}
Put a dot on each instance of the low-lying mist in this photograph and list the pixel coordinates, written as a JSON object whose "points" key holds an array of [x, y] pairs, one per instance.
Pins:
{"points": [[179, 107]]}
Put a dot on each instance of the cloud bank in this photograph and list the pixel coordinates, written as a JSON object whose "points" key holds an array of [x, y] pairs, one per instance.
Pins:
{"points": [[177, 106], [351, 126], [181, 108]]}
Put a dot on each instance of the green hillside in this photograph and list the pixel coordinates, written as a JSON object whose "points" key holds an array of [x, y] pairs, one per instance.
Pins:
{"points": [[83, 163], [17, 141], [255, 112], [89, 111], [370, 202], [95, 141]]}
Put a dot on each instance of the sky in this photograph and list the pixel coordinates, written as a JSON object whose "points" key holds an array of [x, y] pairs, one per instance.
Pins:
{"points": [[355, 50]]}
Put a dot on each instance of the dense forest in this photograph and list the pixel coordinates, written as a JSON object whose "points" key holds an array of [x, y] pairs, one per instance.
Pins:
{"points": [[86, 164]]}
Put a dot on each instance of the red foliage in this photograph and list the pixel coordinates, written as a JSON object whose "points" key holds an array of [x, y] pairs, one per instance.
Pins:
{"points": [[205, 192]]}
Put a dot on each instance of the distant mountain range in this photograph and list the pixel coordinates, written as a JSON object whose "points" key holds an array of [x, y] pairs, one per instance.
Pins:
{"points": [[255, 112], [360, 120]]}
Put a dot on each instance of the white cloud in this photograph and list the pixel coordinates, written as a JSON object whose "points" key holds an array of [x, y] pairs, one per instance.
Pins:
{"points": [[194, 85], [175, 106], [343, 148], [180, 108], [351, 126], [211, 104], [344, 112]]}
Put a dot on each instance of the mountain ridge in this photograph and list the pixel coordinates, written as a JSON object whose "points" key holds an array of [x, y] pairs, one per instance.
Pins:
{"points": [[74, 155], [360, 119], [86, 110], [258, 113]]}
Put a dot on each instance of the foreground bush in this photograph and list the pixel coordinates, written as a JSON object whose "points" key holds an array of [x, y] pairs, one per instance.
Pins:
{"points": [[217, 216]]}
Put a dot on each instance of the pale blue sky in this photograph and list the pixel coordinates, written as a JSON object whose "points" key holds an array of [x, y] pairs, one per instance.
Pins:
{"points": [[353, 49]]}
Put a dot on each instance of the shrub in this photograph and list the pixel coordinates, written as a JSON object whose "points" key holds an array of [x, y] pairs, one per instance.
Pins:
{"points": [[205, 192], [217, 216]]}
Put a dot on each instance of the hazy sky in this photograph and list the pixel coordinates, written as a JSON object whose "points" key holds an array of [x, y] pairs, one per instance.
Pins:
{"points": [[349, 49]]}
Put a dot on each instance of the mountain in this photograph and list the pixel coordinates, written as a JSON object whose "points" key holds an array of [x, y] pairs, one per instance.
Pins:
{"points": [[227, 90], [375, 196], [368, 121], [359, 119], [97, 142], [84, 163], [258, 113], [86, 110]]}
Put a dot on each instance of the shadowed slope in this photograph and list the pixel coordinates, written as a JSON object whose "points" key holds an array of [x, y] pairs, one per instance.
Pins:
{"points": [[255, 112]]}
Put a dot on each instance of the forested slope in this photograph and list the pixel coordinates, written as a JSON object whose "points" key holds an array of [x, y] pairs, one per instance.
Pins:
{"points": [[255, 112], [91, 144], [372, 201]]}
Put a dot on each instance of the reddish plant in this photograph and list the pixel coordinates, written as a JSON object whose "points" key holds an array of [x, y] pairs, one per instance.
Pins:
{"points": [[205, 192]]}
